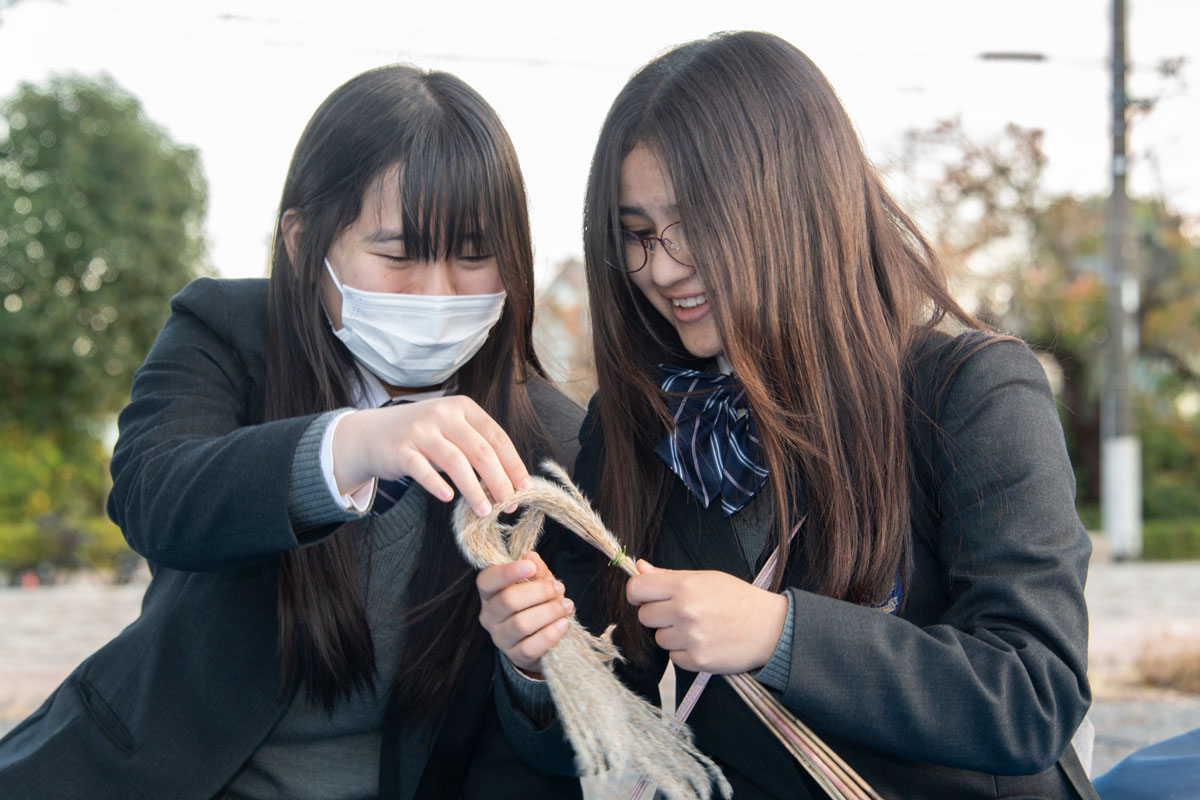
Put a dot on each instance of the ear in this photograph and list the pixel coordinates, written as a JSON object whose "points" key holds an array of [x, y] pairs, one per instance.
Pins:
{"points": [[291, 224]]}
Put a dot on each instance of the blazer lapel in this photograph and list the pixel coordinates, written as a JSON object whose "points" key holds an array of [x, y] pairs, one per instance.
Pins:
{"points": [[432, 761], [409, 752], [699, 538]]}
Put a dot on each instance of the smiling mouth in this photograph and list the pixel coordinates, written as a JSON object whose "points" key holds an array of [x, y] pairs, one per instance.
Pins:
{"points": [[690, 302]]}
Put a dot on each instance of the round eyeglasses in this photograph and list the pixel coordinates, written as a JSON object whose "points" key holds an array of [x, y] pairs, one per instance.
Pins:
{"points": [[636, 249]]}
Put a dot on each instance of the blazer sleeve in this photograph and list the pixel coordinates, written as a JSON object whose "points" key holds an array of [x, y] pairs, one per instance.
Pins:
{"points": [[998, 683], [199, 482]]}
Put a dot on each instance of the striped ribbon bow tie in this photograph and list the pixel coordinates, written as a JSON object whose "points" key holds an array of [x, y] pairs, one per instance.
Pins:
{"points": [[713, 448]]}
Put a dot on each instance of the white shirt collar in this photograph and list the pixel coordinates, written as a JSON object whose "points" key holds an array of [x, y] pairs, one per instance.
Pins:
{"points": [[372, 394]]}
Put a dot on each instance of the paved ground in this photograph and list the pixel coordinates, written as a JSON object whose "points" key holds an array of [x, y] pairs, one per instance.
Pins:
{"points": [[1137, 608], [45, 632]]}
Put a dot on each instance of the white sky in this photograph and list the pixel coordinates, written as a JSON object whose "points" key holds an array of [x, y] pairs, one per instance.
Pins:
{"points": [[238, 80]]}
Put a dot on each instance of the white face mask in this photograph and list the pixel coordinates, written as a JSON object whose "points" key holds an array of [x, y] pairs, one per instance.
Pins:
{"points": [[414, 339]]}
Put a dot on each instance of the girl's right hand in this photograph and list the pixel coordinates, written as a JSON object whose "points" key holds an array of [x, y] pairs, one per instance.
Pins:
{"points": [[524, 610], [444, 434]]}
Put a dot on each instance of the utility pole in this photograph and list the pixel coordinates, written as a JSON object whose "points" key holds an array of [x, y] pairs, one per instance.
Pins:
{"points": [[1120, 449]]}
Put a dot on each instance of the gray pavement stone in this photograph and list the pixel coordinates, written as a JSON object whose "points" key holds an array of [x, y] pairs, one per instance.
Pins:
{"points": [[45, 633]]}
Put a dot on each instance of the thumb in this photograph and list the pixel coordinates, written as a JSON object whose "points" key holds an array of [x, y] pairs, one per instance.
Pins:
{"points": [[645, 567], [542, 571]]}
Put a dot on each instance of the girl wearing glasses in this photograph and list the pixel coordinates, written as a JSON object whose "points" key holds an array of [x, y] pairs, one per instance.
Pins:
{"points": [[310, 630], [777, 353]]}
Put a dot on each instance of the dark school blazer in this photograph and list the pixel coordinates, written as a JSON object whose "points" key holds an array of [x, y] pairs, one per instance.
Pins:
{"points": [[975, 688], [177, 702]]}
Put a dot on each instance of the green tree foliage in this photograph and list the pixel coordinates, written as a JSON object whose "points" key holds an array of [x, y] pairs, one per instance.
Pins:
{"points": [[100, 223], [101, 217], [1036, 269], [50, 510]]}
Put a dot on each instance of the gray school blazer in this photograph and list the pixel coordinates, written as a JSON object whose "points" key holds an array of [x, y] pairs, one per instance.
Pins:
{"points": [[176, 703]]}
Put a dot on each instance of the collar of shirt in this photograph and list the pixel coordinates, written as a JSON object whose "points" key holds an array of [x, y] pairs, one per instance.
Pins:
{"points": [[372, 393]]}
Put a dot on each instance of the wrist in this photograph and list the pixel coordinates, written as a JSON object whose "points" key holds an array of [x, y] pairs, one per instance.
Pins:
{"points": [[349, 471], [529, 674], [776, 673], [775, 616], [514, 670]]}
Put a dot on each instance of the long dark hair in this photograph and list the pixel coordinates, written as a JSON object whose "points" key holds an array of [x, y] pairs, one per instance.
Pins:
{"points": [[458, 179], [819, 285]]}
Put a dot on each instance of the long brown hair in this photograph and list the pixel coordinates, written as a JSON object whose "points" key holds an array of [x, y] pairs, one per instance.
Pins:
{"points": [[458, 179], [819, 286]]}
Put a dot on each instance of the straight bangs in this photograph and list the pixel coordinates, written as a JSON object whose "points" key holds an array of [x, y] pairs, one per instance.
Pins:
{"points": [[461, 194], [446, 200]]}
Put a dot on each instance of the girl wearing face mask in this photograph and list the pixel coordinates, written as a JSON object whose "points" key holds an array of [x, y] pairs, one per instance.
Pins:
{"points": [[778, 354], [285, 465]]}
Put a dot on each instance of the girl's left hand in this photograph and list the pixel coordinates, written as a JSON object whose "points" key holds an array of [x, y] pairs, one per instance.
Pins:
{"points": [[709, 621]]}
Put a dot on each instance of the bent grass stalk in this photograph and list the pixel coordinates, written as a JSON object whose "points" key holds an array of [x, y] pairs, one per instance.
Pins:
{"points": [[482, 540]]}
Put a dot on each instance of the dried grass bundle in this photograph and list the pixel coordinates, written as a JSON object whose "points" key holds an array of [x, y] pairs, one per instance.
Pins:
{"points": [[609, 726]]}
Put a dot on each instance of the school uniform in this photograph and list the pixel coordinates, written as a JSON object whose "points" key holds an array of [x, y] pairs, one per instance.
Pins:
{"points": [[974, 688], [188, 702]]}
